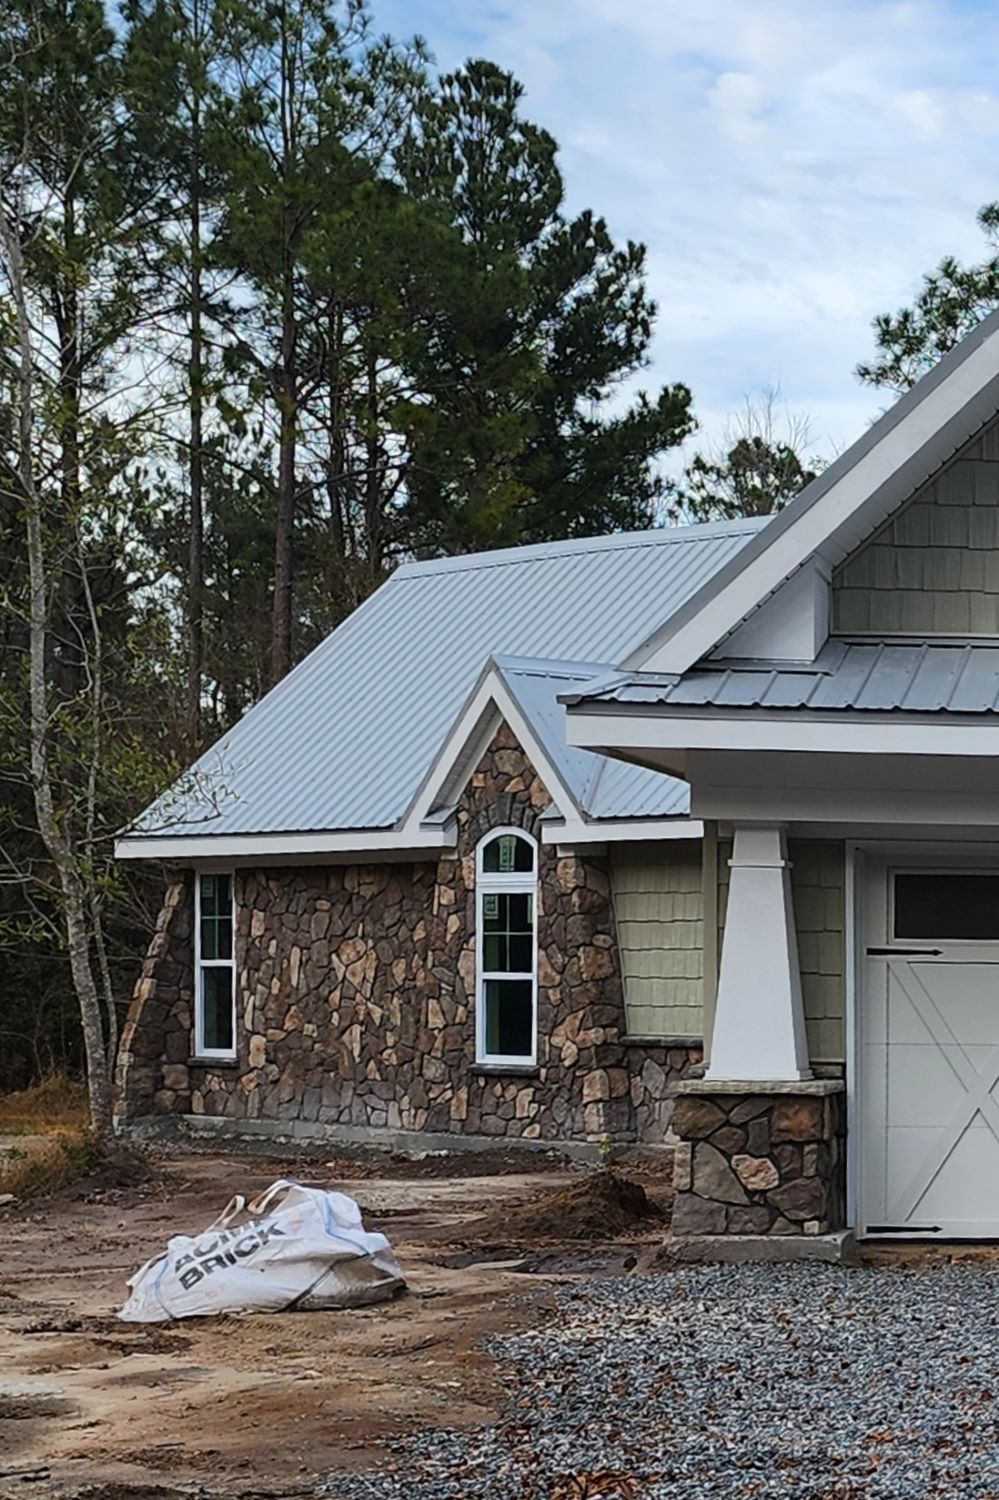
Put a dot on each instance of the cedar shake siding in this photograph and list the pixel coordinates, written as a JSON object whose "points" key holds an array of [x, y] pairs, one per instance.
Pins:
{"points": [[659, 904], [934, 568]]}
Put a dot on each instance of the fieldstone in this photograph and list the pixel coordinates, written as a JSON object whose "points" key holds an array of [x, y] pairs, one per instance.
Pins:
{"points": [[729, 1139], [693, 1215], [683, 1160], [713, 1176], [653, 1078], [356, 985], [753, 1220], [748, 1109], [805, 1198], [797, 1118], [757, 1173], [596, 1085], [695, 1118]]}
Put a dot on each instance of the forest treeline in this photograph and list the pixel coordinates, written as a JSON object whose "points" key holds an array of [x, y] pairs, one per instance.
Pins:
{"points": [[280, 305], [298, 307]]}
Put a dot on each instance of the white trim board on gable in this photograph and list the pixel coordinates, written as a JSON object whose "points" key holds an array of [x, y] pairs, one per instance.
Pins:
{"points": [[839, 510], [467, 742]]}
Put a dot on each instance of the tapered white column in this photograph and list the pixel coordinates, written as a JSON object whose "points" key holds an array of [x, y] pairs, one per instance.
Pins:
{"points": [[759, 1030]]}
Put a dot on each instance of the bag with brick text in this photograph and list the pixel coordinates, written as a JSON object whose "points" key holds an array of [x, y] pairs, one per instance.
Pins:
{"points": [[293, 1247]]}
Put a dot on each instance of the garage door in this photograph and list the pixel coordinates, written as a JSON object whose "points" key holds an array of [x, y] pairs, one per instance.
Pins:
{"points": [[929, 1033]]}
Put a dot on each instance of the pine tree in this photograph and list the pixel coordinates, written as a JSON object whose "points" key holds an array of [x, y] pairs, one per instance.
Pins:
{"points": [[547, 320], [951, 301], [312, 109]]}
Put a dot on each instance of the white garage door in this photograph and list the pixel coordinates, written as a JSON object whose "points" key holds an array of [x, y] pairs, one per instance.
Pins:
{"points": [[929, 1033]]}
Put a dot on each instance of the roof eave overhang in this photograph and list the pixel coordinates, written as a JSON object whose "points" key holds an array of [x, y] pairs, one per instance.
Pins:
{"points": [[372, 844], [630, 730], [381, 845]]}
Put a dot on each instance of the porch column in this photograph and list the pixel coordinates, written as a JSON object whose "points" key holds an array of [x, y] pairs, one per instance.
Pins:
{"points": [[759, 1030]]}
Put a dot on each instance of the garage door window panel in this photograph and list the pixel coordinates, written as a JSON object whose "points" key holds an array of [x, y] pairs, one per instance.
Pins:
{"points": [[956, 906]]}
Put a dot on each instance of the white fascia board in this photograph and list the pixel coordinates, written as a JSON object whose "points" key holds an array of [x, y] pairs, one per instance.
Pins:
{"points": [[367, 843], [623, 830], [888, 734], [801, 532], [852, 806], [463, 748]]}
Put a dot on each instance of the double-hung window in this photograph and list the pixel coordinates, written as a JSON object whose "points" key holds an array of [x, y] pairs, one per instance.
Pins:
{"points": [[506, 942], [215, 967]]}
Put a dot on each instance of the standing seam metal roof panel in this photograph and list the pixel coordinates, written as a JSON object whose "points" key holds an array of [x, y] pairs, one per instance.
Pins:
{"points": [[867, 677], [344, 741]]}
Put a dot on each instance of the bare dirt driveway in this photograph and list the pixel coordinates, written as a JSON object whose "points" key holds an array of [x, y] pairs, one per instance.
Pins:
{"points": [[265, 1405]]}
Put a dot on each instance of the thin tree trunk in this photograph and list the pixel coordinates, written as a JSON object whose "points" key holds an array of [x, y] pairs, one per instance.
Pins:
{"points": [[287, 392], [54, 836], [285, 528], [69, 656], [196, 553], [372, 477]]}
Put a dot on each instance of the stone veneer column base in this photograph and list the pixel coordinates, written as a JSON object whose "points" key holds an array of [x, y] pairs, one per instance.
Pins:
{"points": [[757, 1158]]}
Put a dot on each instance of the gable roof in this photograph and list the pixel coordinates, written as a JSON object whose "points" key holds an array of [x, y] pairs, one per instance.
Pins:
{"points": [[600, 787], [840, 509], [345, 741]]}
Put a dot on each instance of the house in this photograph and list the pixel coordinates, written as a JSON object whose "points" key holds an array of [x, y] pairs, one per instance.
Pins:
{"points": [[836, 683], [401, 907], [534, 832]]}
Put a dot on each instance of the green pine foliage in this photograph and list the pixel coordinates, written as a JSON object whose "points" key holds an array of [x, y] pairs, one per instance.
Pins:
{"points": [[303, 309], [950, 302]]}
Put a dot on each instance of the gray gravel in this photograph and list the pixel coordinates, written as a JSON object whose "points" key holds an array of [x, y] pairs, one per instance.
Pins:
{"points": [[802, 1381]]}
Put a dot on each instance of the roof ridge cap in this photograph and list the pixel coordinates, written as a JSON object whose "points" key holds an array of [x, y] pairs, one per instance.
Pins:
{"points": [[655, 536]]}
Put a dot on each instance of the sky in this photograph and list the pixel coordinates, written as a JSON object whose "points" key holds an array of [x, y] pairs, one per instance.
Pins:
{"points": [[793, 167]]}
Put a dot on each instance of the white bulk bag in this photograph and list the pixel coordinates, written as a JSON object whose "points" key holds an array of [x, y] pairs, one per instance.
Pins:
{"points": [[293, 1247]]}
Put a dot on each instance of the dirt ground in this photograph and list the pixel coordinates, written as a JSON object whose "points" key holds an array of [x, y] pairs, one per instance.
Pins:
{"points": [[269, 1404]]}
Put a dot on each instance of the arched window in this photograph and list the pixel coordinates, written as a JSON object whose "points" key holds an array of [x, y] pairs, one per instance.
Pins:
{"points": [[507, 948]]}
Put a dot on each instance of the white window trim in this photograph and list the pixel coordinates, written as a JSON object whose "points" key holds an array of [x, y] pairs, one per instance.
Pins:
{"points": [[200, 964], [517, 882]]}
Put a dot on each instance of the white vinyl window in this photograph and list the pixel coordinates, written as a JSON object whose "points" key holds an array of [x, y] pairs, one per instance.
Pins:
{"points": [[214, 967], [506, 948]]}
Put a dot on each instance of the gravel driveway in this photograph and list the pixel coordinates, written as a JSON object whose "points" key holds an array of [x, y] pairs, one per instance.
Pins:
{"points": [[802, 1381]]}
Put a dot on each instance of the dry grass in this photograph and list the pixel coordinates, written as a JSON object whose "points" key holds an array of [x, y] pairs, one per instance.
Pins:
{"points": [[44, 1141], [57, 1104], [33, 1164]]}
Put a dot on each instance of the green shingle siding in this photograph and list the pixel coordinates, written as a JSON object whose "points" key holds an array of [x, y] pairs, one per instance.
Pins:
{"points": [[659, 906], [934, 569], [817, 889]]}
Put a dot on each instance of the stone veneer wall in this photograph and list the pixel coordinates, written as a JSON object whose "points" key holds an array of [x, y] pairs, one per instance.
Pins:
{"points": [[355, 998], [766, 1163]]}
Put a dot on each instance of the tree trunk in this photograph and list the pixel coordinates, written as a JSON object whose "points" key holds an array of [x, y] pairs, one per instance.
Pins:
{"points": [[70, 666], [287, 381], [196, 551], [372, 477], [54, 836], [285, 528]]}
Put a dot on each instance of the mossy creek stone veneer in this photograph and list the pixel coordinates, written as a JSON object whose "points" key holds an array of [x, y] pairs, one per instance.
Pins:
{"points": [[759, 1162], [355, 998]]}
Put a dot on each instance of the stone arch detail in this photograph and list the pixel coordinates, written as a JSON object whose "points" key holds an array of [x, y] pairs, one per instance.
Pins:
{"points": [[507, 811]]}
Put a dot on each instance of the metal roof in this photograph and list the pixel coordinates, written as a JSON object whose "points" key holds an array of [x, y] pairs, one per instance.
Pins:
{"points": [[874, 677], [603, 788], [343, 742]]}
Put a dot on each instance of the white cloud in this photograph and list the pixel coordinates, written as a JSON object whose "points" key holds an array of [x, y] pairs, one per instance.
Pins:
{"points": [[792, 165]]}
